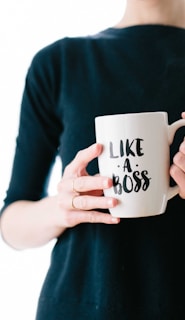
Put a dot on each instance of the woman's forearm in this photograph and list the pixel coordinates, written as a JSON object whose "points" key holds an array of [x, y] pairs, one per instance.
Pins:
{"points": [[29, 224]]}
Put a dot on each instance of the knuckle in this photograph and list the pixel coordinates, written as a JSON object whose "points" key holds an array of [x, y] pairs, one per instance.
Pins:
{"points": [[177, 174], [67, 168], [82, 202], [182, 147], [173, 170], [91, 217], [68, 219], [70, 169], [79, 184], [178, 158], [78, 155]]}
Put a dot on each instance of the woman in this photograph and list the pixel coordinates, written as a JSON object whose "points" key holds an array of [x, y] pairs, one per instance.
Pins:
{"points": [[101, 267]]}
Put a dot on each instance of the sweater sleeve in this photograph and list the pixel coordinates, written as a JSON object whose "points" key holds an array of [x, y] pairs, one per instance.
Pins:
{"points": [[39, 129]]}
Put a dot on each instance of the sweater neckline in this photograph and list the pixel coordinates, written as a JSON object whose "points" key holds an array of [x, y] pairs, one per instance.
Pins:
{"points": [[143, 28]]}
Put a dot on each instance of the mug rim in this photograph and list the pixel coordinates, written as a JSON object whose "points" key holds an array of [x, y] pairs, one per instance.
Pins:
{"points": [[132, 114]]}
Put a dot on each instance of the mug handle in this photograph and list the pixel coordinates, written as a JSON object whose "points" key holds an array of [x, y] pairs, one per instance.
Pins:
{"points": [[172, 191]]}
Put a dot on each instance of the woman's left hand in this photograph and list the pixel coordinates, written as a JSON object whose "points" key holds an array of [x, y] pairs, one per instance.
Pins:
{"points": [[177, 169]]}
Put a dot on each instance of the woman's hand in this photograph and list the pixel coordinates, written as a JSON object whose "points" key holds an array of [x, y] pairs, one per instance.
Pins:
{"points": [[28, 224], [177, 169], [80, 195]]}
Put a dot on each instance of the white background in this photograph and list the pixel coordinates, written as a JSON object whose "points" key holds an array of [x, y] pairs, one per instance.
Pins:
{"points": [[25, 27]]}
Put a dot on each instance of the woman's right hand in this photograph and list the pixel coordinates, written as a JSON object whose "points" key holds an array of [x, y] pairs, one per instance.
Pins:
{"points": [[80, 195], [29, 224]]}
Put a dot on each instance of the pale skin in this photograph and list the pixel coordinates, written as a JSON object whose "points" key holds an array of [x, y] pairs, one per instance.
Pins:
{"points": [[27, 224]]}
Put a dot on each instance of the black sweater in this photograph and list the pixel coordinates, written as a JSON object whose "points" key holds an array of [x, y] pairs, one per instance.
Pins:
{"points": [[136, 269]]}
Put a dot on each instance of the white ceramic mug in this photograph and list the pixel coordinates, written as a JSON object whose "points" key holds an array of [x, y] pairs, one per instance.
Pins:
{"points": [[136, 155]]}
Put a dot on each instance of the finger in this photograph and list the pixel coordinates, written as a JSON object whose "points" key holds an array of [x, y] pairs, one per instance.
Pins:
{"points": [[179, 177], [179, 160], [84, 184], [183, 114], [82, 159], [89, 183], [182, 147], [91, 202], [77, 217]]}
